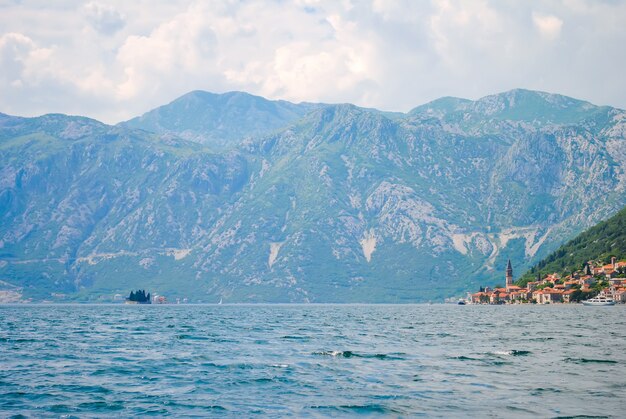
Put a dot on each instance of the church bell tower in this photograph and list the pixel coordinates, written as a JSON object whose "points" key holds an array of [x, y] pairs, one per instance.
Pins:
{"points": [[509, 275]]}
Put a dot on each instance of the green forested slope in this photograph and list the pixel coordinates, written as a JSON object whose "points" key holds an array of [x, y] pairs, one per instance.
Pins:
{"points": [[600, 242]]}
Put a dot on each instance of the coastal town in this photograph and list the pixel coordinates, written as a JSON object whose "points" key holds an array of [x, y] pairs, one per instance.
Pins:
{"points": [[595, 279]]}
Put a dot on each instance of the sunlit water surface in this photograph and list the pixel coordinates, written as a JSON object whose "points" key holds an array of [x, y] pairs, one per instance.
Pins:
{"points": [[313, 360]]}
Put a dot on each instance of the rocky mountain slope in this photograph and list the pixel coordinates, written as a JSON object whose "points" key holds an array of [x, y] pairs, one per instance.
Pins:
{"points": [[343, 204]]}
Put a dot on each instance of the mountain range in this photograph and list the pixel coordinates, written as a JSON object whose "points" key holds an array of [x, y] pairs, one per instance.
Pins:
{"points": [[238, 198]]}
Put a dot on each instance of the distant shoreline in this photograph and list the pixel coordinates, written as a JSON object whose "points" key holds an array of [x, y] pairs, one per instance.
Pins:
{"points": [[287, 304]]}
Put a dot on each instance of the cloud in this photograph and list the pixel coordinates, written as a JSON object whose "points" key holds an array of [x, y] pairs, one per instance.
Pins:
{"points": [[459, 28], [103, 18], [34, 80], [332, 63], [22, 61], [14, 51], [549, 26], [116, 59], [176, 52]]}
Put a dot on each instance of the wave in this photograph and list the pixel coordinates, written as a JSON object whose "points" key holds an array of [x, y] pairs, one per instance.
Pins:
{"points": [[463, 358], [541, 390], [512, 352], [101, 406], [191, 337], [294, 337], [359, 409], [350, 354], [590, 360], [19, 340]]}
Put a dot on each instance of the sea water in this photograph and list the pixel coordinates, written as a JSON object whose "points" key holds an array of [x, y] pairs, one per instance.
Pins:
{"points": [[312, 360]]}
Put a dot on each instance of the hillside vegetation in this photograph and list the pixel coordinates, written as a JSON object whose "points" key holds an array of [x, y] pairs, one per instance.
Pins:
{"points": [[600, 242]]}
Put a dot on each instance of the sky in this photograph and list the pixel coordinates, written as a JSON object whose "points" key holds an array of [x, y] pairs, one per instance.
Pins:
{"points": [[113, 60]]}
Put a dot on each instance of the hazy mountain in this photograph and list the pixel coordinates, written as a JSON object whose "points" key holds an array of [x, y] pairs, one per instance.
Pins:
{"points": [[344, 204], [519, 105], [220, 120], [82, 203]]}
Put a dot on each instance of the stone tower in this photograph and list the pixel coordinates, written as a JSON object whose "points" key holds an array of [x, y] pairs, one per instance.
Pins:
{"points": [[509, 275]]}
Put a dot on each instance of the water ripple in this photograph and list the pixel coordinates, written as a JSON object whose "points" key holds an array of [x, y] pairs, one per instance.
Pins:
{"points": [[318, 360]]}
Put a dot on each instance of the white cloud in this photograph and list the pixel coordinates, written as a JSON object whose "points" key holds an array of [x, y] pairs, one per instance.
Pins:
{"points": [[549, 26], [22, 62], [178, 50], [462, 28], [116, 59], [330, 65], [14, 51], [104, 18]]}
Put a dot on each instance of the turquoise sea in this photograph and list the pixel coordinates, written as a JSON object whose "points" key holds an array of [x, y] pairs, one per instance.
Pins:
{"points": [[312, 361]]}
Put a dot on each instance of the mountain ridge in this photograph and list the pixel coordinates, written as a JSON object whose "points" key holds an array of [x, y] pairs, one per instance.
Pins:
{"points": [[220, 120], [343, 204]]}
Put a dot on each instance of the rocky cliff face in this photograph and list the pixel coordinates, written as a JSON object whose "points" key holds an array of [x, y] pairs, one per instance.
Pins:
{"points": [[342, 204]]}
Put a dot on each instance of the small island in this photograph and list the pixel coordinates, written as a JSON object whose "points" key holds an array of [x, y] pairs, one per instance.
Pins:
{"points": [[138, 297]]}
